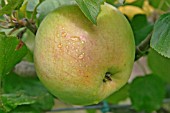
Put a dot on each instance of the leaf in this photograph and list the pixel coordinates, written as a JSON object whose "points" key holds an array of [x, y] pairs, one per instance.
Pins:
{"points": [[9, 54], [111, 1], [31, 88], [1, 111], [22, 13], [12, 100], [141, 27], [91, 111], [49, 5], [31, 5], [90, 8], [168, 91], [2, 3], [118, 96], [12, 5], [160, 4], [147, 93], [29, 57], [138, 3], [159, 65], [25, 109], [29, 39], [160, 40]]}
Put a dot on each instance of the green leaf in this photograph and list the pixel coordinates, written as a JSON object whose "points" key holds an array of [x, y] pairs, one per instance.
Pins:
{"points": [[2, 3], [12, 100], [91, 111], [12, 5], [1, 111], [31, 5], [159, 65], [25, 109], [141, 27], [160, 4], [160, 40], [22, 13], [29, 57], [31, 88], [10, 55], [111, 1], [147, 93], [49, 5], [138, 3], [90, 8], [120, 95], [168, 91]]}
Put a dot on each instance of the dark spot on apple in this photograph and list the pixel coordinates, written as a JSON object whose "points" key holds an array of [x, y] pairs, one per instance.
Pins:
{"points": [[107, 77], [104, 80]]}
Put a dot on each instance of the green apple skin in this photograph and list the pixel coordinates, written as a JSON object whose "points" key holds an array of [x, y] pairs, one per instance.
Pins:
{"points": [[72, 55]]}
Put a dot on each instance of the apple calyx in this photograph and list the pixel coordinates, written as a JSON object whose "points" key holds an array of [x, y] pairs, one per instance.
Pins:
{"points": [[107, 77]]}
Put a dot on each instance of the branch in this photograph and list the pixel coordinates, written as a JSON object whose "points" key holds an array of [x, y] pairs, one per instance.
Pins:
{"points": [[100, 106], [21, 33], [12, 31], [31, 26], [142, 48], [17, 24]]}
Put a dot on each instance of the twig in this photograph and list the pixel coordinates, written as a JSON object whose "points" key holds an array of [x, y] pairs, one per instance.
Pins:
{"points": [[31, 26], [143, 47], [21, 33], [17, 24], [34, 12], [12, 31]]}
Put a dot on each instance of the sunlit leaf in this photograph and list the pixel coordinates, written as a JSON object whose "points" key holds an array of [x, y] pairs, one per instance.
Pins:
{"points": [[160, 40], [90, 8], [12, 100], [10, 53]]}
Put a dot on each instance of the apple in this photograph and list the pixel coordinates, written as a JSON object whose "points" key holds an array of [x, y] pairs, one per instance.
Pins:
{"points": [[82, 63]]}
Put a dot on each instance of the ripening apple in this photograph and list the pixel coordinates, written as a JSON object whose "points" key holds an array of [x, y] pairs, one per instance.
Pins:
{"points": [[82, 63]]}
